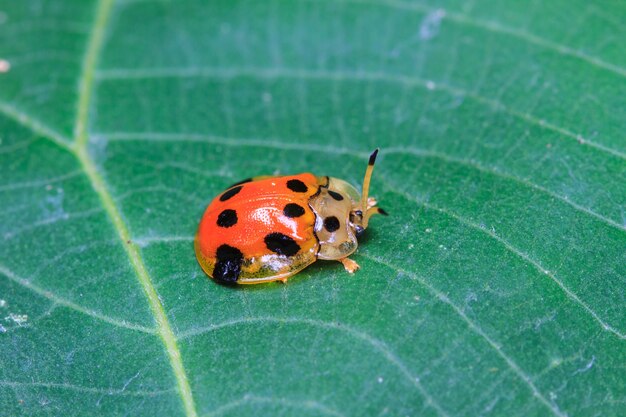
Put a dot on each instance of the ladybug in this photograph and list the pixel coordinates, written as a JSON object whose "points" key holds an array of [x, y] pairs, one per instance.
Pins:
{"points": [[269, 228]]}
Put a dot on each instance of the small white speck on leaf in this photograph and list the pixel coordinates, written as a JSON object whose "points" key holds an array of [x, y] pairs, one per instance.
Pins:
{"points": [[429, 230], [380, 379], [431, 85], [470, 298], [3, 303], [2, 329], [5, 66], [18, 319], [587, 367], [429, 28], [411, 245], [53, 204]]}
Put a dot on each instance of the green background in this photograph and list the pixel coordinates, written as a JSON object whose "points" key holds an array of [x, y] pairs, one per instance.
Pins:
{"points": [[495, 287]]}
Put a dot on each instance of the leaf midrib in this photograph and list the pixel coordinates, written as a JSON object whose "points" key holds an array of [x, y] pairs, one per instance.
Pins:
{"points": [[99, 185]]}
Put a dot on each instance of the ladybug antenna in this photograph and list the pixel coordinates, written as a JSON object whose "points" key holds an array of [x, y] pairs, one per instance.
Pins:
{"points": [[368, 209]]}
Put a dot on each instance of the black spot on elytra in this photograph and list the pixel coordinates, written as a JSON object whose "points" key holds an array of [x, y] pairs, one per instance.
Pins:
{"points": [[335, 195], [230, 193], [297, 186], [228, 265], [331, 224], [227, 218], [293, 210], [281, 244]]}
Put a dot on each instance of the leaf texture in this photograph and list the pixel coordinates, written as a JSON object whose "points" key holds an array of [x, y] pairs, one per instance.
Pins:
{"points": [[496, 286]]}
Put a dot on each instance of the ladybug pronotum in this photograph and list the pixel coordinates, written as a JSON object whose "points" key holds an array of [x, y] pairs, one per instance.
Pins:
{"points": [[269, 228]]}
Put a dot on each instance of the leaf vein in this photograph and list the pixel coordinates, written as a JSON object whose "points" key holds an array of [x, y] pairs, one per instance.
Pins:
{"points": [[71, 305], [280, 145], [34, 125], [71, 387], [358, 334], [99, 185], [304, 74], [475, 328], [508, 246], [525, 182], [41, 182], [496, 27], [298, 404]]}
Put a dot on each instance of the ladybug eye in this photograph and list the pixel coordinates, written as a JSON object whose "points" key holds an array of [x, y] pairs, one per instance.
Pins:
{"points": [[359, 231], [356, 216]]}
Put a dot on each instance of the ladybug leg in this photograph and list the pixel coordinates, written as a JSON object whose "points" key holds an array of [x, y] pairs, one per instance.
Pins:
{"points": [[350, 266]]}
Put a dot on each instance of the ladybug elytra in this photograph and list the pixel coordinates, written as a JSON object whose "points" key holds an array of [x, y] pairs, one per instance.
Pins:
{"points": [[269, 228]]}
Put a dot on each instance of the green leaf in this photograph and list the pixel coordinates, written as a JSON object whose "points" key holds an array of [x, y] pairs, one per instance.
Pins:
{"points": [[495, 287]]}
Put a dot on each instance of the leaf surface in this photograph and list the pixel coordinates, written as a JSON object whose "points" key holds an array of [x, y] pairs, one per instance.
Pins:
{"points": [[496, 286]]}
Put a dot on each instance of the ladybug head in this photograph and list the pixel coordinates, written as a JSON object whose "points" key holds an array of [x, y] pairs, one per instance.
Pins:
{"points": [[359, 207], [342, 214]]}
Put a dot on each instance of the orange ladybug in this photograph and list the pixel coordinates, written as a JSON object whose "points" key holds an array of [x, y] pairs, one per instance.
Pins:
{"points": [[269, 228]]}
